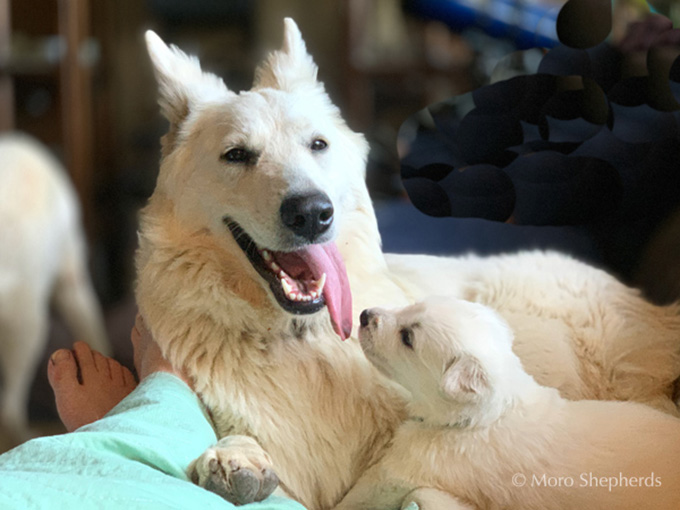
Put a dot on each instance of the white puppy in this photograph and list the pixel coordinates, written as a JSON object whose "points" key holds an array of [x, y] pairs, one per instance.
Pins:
{"points": [[42, 255], [486, 432]]}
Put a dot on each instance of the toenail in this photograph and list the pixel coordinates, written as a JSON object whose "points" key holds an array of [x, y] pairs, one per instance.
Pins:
{"points": [[60, 355]]}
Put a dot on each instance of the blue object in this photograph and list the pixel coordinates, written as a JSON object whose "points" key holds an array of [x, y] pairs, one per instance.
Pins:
{"points": [[527, 25]]}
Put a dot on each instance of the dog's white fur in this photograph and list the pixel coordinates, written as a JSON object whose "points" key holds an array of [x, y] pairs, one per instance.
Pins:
{"points": [[486, 432], [42, 255], [314, 403]]}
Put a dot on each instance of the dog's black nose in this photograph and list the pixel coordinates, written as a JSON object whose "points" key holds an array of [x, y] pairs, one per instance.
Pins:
{"points": [[307, 216], [364, 318]]}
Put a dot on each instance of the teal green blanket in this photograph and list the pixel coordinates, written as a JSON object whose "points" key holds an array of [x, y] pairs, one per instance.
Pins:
{"points": [[134, 458]]}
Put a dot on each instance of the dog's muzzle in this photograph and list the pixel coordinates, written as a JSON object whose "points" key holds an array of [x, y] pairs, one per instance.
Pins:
{"points": [[307, 216]]}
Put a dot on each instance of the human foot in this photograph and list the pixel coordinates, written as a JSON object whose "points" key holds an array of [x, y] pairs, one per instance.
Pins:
{"points": [[86, 384]]}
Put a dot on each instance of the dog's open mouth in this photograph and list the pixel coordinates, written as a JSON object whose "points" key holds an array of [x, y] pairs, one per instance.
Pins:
{"points": [[303, 281]]}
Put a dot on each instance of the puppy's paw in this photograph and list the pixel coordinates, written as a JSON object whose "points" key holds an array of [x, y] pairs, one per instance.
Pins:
{"points": [[433, 499], [236, 468]]}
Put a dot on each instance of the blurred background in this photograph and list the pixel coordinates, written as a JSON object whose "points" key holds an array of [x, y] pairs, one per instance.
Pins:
{"points": [[75, 75]]}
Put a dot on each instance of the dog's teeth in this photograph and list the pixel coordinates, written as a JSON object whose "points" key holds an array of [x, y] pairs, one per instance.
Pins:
{"points": [[275, 267], [266, 255], [320, 284], [287, 289], [295, 294]]}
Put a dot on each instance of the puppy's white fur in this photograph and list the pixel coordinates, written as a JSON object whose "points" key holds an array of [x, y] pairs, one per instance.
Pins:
{"points": [[486, 432], [314, 403], [42, 255]]}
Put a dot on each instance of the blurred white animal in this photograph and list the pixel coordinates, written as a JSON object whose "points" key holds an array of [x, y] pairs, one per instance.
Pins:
{"points": [[484, 431], [42, 256]]}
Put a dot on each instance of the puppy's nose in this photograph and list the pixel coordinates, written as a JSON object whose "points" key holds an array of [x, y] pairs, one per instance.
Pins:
{"points": [[308, 215], [365, 317]]}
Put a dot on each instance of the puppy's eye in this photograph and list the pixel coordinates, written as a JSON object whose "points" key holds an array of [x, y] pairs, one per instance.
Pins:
{"points": [[318, 144], [237, 155], [406, 337]]}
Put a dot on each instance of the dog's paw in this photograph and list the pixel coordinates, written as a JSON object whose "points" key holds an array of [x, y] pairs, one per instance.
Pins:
{"points": [[236, 468]]}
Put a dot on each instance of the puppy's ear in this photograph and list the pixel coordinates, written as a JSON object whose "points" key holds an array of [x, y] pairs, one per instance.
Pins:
{"points": [[290, 67], [464, 377], [181, 81]]}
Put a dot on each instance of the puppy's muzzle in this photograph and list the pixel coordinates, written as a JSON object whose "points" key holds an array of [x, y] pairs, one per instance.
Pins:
{"points": [[369, 317], [365, 318]]}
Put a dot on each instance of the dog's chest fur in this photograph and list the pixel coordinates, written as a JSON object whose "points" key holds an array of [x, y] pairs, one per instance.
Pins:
{"points": [[315, 408], [313, 402]]}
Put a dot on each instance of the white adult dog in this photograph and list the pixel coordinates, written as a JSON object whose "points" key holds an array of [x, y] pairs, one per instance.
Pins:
{"points": [[42, 256], [259, 225], [483, 430]]}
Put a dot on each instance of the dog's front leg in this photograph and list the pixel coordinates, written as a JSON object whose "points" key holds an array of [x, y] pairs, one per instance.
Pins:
{"points": [[433, 499], [236, 468]]}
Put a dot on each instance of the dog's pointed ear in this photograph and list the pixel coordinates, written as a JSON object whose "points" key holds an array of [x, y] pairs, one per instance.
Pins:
{"points": [[464, 377], [291, 66], [181, 81]]}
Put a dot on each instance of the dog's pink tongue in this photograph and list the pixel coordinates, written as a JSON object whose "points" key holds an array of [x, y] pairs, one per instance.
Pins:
{"points": [[321, 259]]}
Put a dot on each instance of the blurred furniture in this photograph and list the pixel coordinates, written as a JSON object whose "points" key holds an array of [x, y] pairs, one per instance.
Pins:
{"points": [[395, 65], [53, 69], [6, 88]]}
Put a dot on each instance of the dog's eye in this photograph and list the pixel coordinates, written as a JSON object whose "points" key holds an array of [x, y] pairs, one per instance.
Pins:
{"points": [[237, 155], [407, 337], [319, 144]]}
